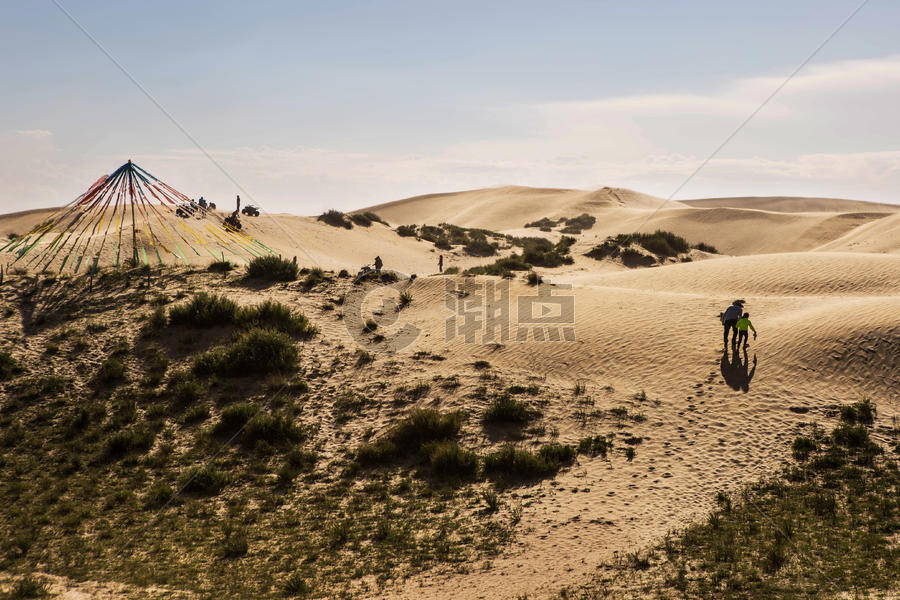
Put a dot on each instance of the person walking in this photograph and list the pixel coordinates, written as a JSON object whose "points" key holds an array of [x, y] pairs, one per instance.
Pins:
{"points": [[729, 320], [440, 263], [742, 325]]}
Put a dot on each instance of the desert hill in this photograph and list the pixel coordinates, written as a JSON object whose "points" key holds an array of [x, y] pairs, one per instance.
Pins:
{"points": [[793, 204], [820, 278], [733, 225]]}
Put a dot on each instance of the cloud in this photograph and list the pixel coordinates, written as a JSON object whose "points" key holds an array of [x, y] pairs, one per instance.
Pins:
{"points": [[739, 98], [831, 132]]}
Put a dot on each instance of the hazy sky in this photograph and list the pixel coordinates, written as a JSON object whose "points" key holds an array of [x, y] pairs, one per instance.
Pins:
{"points": [[311, 105]]}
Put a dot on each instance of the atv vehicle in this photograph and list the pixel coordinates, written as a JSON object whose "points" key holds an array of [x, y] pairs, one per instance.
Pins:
{"points": [[185, 211], [250, 211], [233, 222]]}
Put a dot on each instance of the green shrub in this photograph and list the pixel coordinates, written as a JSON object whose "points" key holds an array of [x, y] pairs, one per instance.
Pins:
{"points": [[421, 425], [802, 447], [158, 495], [272, 268], [501, 267], [850, 436], [28, 587], [336, 218], [544, 223], [411, 394], [579, 223], [221, 266], [184, 388], [129, 441], [203, 481], [448, 459], [858, 412], [632, 258], [595, 445], [195, 414], [510, 462], [303, 460], [550, 259], [313, 278], [479, 246], [558, 454], [296, 586], [254, 352], [451, 271], [112, 370], [366, 219], [234, 418], [376, 453], [608, 249], [661, 243], [347, 404], [706, 248], [274, 429], [505, 409], [406, 231], [32, 388], [204, 310], [275, 315], [156, 321]]}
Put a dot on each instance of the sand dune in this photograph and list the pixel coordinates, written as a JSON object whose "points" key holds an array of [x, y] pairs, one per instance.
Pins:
{"points": [[819, 345], [792, 204], [794, 274], [882, 235], [760, 225], [821, 280]]}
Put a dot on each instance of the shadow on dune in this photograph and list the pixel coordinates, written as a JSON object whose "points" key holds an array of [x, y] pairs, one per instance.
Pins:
{"points": [[737, 372]]}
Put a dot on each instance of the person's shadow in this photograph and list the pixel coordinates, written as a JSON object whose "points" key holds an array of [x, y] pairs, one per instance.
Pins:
{"points": [[736, 372]]}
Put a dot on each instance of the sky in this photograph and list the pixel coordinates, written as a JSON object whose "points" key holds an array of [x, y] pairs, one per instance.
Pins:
{"points": [[306, 106]]}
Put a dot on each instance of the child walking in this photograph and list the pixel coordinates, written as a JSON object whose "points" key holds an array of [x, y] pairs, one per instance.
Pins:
{"points": [[742, 325]]}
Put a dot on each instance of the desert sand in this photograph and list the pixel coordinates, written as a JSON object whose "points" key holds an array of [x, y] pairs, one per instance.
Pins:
{"points": [[821, 279]]}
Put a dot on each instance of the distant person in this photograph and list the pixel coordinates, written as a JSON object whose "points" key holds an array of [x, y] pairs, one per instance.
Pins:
{"points": [[440, 263], [730, 318], [378, 263], [743, 325]]}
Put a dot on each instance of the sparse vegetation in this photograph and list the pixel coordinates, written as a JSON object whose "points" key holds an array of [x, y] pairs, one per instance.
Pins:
{"points": [[511, 462], [221, 266], [659, 246], [505, 409], [211, 310], [405, 300], [575, 225], [203, 481], [449, 459], [256, 351], [272, 268], [409, 435], [365, 219], [502, 267], [336, 218], [9, 366], [204, 310], [826, 527], [545, 223]]}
